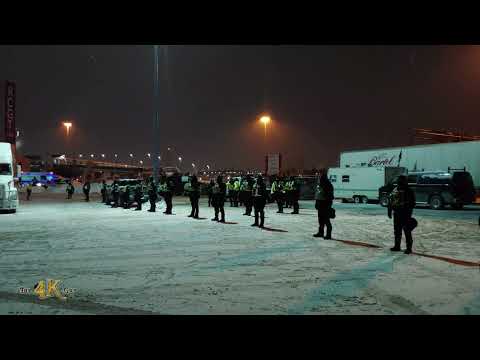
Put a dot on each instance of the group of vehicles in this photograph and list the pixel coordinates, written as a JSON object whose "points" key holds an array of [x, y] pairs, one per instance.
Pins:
{"points": [[436, 189], [370, 175]]}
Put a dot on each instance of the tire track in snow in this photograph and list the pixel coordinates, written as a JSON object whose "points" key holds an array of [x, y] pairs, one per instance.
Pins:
{"points": [[345, 285]]}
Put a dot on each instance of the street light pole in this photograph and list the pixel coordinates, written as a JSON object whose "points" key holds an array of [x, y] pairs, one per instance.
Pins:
{"points": [[156, 119]]}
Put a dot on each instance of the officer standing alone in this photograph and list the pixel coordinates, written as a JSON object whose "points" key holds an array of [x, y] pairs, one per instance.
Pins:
{"points": [[259, 201], [194, 195], [218, 200], [323, 203], [70, 190], [152, 195], [401, 203], [86, 190], [29, 191]]}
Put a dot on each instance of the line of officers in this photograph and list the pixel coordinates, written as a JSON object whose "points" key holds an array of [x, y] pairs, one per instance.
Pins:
{"points": [[247, 191], [252, 193], [165, 189]]}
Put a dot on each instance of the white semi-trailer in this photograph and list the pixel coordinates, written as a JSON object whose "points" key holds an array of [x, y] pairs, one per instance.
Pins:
{"points": [[435, 157], [8, 191], [361, 184]]}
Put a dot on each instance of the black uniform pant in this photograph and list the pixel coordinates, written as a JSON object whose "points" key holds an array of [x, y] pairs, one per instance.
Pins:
{"points": [[126, 202], [29, 193], [153, 203], [138, 200], [259, 205], [116, 196], [296, 206], [69, 195], [288, 199], [194, 203], [280, 199], [241, 197], [104, 197], [209, 200], [323, 211], [400, 221], [219, 206], [232, 196], [168, 202], [248, 204], [87, 195]]}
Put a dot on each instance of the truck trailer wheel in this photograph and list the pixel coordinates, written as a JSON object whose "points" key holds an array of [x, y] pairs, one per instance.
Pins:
{"points": [[364, 200], [436, 202], [356, 199]]}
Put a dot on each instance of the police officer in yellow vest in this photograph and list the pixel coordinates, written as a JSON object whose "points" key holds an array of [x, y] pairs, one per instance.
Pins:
{"points": [[278, 193], [231, 191], [236, 189], [401, 203]]}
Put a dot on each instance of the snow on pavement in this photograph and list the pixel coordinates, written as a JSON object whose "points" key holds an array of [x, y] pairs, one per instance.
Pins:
{"points": [[122, 261]]}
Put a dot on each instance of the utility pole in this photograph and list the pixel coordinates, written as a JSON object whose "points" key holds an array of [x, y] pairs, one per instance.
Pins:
{"points": [[156, 118]]}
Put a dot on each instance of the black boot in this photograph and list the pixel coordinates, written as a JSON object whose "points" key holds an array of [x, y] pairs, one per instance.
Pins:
{"points": [[408, 251], [396, 248], [319, 234]]}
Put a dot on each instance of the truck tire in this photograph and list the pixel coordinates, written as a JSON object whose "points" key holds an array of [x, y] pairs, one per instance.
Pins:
{"points": [[356, 199], [364, 200], [436, 202], [384, 200]]}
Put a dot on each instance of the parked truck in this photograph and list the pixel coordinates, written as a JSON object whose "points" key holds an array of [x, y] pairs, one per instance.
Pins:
{"points": [[420, 158], [8, 191], [361, 184]]}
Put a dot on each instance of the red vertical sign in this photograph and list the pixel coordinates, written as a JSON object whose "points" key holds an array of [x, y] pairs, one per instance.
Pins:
{"points": [[10, 99]]}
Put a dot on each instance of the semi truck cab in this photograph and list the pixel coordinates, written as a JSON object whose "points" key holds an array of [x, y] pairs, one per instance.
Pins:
{"points": [[8, 191]]}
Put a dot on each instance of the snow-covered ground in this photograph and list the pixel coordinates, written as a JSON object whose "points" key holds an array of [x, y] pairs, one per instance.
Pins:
{"points": [[122, 261]]}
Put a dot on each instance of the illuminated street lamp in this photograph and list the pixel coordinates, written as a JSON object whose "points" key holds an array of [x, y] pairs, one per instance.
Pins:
{"points": [[81, 155], [92, 156], [265, 120], [103, 155], [67, 125], [141, 162]]}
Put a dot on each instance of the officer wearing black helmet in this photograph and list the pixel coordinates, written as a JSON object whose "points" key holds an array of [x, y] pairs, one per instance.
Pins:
{"points": [[259, 201], [104, 192], [115, 193], [218, 199], [401, 203], [194, 195], [86, 190], [152, 195], [138, 196]]}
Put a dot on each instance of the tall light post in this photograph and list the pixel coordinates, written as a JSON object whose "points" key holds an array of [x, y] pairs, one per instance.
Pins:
{"points": [[67, 126], [265, 120], [156, 118]]}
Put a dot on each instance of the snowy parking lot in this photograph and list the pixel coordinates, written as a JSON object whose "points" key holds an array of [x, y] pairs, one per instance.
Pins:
{"points": [[126, 262]]}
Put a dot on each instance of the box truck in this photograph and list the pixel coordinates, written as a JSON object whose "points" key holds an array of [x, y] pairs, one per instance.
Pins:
{"points": [[361, 184], [435, 157], [8, 191]]}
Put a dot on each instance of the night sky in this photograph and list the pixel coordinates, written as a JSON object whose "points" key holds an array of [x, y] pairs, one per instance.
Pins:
{"points": [[323, 99]]}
